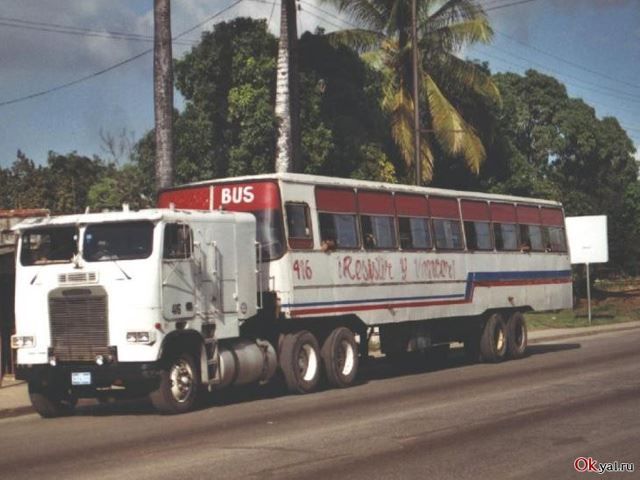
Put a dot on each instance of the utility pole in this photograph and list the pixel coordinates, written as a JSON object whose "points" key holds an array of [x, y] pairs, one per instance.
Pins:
{"points": [[287, 92], [163, 92], [416, 92]]}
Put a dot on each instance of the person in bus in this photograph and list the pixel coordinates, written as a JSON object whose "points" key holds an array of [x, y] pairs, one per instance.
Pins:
{"points": [[328, 244]]}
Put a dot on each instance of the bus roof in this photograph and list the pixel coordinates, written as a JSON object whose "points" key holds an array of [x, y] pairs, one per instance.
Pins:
{"points": [[304, 179]]}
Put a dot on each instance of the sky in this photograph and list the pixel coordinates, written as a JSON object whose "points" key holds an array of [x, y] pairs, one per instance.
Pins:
{"points": [[592, 46]]}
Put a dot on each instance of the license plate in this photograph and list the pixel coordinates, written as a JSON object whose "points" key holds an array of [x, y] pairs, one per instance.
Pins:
{"points": [[81, 378]]}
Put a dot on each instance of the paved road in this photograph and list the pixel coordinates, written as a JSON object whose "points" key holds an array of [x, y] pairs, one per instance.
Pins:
{"points": [[521, 419]]}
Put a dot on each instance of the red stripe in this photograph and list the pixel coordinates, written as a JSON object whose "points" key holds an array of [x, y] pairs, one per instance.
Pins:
{"points": [[428, 303]]}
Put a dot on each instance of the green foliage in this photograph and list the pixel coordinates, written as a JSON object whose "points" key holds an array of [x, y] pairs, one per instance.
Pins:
{"points": [[228, 127]]}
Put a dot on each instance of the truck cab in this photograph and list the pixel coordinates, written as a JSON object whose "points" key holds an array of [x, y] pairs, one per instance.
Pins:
{"points": [[141, 302]]}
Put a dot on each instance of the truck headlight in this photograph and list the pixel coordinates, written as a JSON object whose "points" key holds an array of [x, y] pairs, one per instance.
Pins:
{"points": [[23, 341], [145, 338]]}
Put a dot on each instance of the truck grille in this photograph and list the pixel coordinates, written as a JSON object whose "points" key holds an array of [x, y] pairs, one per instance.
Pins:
{"points": [[79, 323]]}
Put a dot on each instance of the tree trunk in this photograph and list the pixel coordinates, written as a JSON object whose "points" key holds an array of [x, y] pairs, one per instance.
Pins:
{"points": [[287, 92], [163, 93]]}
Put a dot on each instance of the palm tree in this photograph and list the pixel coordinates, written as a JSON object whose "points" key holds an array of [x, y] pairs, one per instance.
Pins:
{"points": [[444, 27], [163, 93], [287, 96]]}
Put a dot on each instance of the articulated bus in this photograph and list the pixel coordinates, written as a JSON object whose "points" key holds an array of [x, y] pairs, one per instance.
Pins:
{"points": [[426, 266]]}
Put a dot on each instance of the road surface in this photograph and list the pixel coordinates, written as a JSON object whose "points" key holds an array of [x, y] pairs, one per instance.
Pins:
{"points": [[528, 418]]}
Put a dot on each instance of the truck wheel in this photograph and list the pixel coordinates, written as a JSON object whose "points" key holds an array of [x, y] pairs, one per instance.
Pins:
{"points": [[51, 403], [493, 342], [516, 336], [300, 361], [340, 357], [179, 386]]}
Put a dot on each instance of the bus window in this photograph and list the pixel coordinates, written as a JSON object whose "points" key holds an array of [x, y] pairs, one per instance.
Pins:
{"points": [[448, 234], [378, 232], [446, 223], [414, 233], [377, 219], [340, 229], [475, 214], [531, 237], [478, 235], [506, 236], [299, 226], [557, 241], [530, 228], [553, 229]]}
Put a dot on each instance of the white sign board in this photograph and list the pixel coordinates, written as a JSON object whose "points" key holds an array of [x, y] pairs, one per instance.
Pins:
{"points": [[587, 238]]}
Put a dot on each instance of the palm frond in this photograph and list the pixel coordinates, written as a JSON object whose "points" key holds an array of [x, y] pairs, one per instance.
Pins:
{"points": [[451, 130], [469, 76], [368, 13], [454, 36], [361, 40]]}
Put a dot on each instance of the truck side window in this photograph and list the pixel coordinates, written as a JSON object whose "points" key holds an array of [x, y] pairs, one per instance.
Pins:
{"points": [[299, 226], [178, 241]]}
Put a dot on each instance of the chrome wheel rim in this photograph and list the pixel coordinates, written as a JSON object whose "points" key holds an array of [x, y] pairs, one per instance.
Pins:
{"points": [[182, 381], [346, 357], [307, 362]]}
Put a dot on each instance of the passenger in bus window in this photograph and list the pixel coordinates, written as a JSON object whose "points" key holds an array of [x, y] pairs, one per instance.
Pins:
{"points": [[328, 245]]}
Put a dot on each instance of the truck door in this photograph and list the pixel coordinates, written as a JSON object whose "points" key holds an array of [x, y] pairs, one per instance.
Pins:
{"points": [[178, 272]]}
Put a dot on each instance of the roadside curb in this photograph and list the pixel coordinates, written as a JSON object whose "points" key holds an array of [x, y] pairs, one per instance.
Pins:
{"points": [[585, 332], [16, 412]]}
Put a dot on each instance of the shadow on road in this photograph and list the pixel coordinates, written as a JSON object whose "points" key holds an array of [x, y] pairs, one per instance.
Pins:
{"points": [[374, 368]]}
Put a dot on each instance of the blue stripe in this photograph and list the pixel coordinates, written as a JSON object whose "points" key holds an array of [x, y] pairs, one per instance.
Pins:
{"points": [[472, 278]]}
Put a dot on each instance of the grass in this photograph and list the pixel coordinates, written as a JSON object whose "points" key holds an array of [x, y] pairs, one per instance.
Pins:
{"points": [[602, 313]]}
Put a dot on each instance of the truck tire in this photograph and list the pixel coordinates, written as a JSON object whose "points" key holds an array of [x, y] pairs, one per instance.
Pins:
{"points": [[51, 403], [516, 336], [340, 357], [299, 359], [493, 342], [179, 385]]}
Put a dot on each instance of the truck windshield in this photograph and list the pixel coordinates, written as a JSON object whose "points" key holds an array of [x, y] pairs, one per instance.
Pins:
{"points": [[41, 246], [118, 241]]}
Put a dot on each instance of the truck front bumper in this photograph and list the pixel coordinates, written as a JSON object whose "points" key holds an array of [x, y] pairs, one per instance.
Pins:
{"points": [[116, 378]]}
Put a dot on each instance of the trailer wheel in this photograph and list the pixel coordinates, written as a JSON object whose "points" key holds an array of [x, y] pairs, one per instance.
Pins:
{"points": [[493, 342], [516, 336], [340, 357], [179, 385], [51, 403], [299, 359]]}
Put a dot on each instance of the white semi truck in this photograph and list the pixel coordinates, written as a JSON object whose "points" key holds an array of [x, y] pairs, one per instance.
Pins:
{"points": [[233, 280]]}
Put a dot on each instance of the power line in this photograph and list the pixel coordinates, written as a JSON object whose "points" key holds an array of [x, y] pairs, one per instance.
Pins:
{"points": [[506, 5], [114, 66], [592, 86], [71, 29], [567, 61]]}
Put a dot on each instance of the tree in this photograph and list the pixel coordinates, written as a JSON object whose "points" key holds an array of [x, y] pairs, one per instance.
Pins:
{"points": [[228, 126], [287, 100], [553, 146], [443, 28]]}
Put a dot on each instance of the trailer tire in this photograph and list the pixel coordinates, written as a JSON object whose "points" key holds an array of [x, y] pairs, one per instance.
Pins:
{"points": [[51, 403], [179, 385], [340, 357], [493, 342], [299, 360], [516, 336]]}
